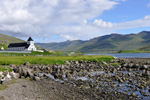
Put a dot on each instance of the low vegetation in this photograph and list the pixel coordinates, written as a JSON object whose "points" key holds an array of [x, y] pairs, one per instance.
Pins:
{"points": [[45, 53], [115, 64], [4, 68], [145, 48], [8, 60], [4, 86], [133, 51]]}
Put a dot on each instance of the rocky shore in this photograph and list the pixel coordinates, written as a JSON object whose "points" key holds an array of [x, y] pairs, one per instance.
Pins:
{"points": [[78, 80]]}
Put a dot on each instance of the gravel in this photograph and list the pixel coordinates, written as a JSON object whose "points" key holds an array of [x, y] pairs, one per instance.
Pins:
{"points": [[47, 89]]}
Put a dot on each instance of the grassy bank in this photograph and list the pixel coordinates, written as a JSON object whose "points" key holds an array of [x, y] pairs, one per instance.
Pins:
{"points": [[133, 51], [45, 53], [8, 60]]}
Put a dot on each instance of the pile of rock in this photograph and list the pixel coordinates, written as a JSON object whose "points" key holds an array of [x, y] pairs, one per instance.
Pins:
{"points": [[6, 76], [97, 76]]}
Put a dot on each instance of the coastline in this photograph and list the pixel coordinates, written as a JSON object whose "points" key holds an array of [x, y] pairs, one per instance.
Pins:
{"points": [[113, 75]]}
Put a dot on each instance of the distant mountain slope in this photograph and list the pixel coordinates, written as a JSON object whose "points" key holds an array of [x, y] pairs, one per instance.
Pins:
{"points": [[106, 42], [6, 40], [63, 46]]}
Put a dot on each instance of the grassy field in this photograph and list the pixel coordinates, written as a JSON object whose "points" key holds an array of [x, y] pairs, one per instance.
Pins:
{"points": [[8, 60]]}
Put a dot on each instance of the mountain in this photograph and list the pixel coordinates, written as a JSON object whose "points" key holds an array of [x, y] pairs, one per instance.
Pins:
{"points": [[6, 40], [103, 43], [63, 46]]}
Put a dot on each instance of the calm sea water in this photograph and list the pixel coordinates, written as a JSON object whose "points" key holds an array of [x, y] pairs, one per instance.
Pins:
{"points": [[127, 55]]}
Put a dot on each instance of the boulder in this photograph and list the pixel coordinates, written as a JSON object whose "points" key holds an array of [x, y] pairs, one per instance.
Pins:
{"points": [[5, 73], [22, 72], [29, 73], [27, 64], [36, 78], [144, 67], [13, 66], [12, 74], [2, 79]]}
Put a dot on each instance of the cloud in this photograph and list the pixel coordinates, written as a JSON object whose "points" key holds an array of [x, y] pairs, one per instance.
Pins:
{"points": [[64, 19], [44, 18], [148, 5], [102, 24], [120, 0], [147, 17], [144, 22]]}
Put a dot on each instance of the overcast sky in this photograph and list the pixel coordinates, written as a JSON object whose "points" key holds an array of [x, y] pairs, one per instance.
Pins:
{"points": [[61, 20]]}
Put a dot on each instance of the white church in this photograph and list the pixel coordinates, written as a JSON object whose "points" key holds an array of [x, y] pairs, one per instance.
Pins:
{"points": [[26, 46]]}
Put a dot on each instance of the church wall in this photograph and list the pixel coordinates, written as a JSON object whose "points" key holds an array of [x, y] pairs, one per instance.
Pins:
{"points": [[30, 43], [16, 48]]}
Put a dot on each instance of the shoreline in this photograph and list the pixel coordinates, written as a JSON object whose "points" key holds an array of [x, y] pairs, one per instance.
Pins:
{"points": [[124, 55], [88, 80]]}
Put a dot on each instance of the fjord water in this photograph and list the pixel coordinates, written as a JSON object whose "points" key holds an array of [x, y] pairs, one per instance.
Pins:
{"points": [[127, 55]]}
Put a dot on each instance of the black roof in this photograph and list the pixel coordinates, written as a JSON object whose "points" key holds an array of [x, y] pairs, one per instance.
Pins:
{"points": [[30, 39], [19, 45]]}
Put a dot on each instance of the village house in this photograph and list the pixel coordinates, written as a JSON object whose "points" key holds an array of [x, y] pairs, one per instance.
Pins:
{"points": [[2, 48], [26, 46]]}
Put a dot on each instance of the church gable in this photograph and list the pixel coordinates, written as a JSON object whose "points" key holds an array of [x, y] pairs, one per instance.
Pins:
{"points": [[32, 47]]}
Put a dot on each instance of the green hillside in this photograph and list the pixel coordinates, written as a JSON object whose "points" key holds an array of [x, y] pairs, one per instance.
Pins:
{"points": [[63, 46], [145, 48], [103, 43], [6, 40]]}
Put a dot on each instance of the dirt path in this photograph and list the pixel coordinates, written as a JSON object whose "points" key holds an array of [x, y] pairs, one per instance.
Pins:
{"points": [[41, 90]]}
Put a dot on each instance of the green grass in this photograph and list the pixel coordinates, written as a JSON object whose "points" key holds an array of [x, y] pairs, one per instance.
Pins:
{"points": [[145, 48], [8, 60], [3, 86], [133, 51], [4, 68], [115, 64], [33, 53]]}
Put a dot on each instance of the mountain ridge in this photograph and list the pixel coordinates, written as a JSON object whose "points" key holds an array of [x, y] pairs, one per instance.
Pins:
{"points": [[107, 42]]}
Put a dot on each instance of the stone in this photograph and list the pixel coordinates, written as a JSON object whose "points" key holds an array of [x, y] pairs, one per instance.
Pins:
{"points": [[131, 65], [8, 76], [36, 78], [22, 72], [12, 74], [133, 94], [13, 66], [1, 73], [27, 64], [29, 73], [5, 73], [125, 65], [145, 66], [1, 80]]}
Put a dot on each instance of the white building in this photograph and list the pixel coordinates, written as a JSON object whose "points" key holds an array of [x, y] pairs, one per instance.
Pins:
{"points": [[26, 46], [2, 48]]}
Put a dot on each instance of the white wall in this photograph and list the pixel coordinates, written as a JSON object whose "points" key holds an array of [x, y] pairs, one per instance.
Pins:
{"points": [[32, 47]]}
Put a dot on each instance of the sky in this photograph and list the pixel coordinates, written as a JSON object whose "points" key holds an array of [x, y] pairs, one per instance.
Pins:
{"points": [[61, 20]]}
